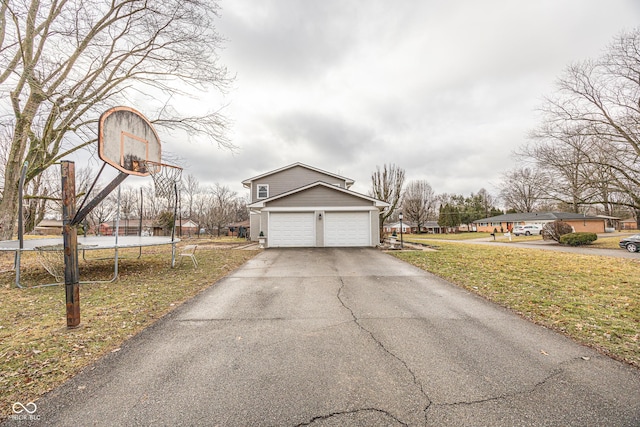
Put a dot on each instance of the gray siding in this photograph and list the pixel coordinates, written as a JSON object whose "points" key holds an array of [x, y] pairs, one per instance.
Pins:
{"points": [[318, 196], [255, 227], [375, 228], [290, 179]]}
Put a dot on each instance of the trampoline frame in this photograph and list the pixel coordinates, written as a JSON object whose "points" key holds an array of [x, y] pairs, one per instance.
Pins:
{"points": [[86, 243]]}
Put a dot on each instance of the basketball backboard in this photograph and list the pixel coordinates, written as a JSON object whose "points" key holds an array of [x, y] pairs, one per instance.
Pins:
{"points": [[126, 139]]}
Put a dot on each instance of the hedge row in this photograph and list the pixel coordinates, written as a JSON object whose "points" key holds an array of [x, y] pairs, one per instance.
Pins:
{"points": [[578, 239]]}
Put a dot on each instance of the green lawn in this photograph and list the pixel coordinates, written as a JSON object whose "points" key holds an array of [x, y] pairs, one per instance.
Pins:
{"points": [[38, 352], [593, 299]]}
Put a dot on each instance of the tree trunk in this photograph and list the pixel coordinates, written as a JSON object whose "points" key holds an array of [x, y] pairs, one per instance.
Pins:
{"points": [[9, 202], [30, 220]]}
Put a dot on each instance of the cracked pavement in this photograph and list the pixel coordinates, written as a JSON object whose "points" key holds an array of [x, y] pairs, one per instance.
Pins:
{"points": [[345, 337]]}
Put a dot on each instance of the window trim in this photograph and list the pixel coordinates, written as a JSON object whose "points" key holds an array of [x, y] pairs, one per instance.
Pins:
{"points": [[266, 187]]}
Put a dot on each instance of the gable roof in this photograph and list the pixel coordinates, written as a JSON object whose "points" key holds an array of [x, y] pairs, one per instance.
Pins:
{"points": [[50, 223], [377, 203], [247, 182], [539, 216]]}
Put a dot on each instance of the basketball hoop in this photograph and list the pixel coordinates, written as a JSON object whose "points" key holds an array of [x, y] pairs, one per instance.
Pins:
{"points": [[165, 177]]}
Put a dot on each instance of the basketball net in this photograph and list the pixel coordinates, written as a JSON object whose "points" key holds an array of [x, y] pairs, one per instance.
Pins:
{"points": [[165, 177], [52, 259]]}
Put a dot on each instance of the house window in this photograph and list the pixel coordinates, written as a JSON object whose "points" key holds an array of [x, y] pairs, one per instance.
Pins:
{"points": [[263, 191]]}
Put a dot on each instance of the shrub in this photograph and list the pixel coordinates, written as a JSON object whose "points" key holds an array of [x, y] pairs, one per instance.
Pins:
{"points": [[578, 239], [553, 230]]}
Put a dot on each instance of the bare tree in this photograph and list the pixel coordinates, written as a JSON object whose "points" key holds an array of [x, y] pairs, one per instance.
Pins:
{"points": [[419, 203], [201, 206], [575, 181], [152, 205], [598, 99], [523, 189], [190, 189], [103, 212], [221, 210], [386, 185], [241, 212], [62, 63], [129, 206]]}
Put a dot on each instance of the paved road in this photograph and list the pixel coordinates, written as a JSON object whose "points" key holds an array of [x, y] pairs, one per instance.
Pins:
{"points": [[346, 337]]}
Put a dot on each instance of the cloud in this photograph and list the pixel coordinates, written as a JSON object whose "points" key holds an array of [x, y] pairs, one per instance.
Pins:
{"points": [[445, 90]]}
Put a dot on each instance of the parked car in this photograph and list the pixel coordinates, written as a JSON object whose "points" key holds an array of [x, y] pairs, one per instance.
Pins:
{"points": [[631, 243], [527, 230]]}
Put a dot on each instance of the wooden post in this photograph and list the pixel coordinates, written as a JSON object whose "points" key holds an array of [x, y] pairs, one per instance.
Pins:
{"points": [[70, 238]]}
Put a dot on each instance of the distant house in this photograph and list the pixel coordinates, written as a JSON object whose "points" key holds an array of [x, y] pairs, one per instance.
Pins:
{"points": [[186, 227], [629, 224], [507, 222], [149, 227], [49, 227], [406, 227], [238, 229], [128, 227], [467, 228], [430, 227]]}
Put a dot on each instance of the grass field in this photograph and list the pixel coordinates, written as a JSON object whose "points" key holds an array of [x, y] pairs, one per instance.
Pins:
{"points": [[38, 352], [593, 299], [450, 236], [609, 241]]}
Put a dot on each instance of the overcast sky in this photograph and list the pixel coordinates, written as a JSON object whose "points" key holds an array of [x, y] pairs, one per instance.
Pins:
{"points": [[445, 90]]}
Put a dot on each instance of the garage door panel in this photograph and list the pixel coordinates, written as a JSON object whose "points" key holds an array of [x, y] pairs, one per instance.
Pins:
{"points": [[292, 229], [347, 229]]}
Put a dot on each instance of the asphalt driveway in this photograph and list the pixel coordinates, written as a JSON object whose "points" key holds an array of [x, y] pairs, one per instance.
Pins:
{"points": [[345, 337]]}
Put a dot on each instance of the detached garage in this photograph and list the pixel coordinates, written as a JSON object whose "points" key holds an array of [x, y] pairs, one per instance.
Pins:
{"points": [[318, 215]]}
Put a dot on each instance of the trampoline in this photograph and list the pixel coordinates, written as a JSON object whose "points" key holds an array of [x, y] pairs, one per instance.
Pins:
{"points": [[85, 243]]}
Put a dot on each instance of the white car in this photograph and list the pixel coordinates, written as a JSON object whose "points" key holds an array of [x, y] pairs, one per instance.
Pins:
{"points": [[527, 230]]}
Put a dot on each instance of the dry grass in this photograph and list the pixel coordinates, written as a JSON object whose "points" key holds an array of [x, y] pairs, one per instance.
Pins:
{"points": [[450, 236], [590, 298], [38, 352], [610, 242], [500, 237]]}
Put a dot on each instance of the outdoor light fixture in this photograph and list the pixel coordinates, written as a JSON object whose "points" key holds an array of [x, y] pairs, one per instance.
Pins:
{"points": [[320, 216]]}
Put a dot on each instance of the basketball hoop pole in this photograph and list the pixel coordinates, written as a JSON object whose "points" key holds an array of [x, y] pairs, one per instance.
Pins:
{"points": [[70, 239], [86, 210]]}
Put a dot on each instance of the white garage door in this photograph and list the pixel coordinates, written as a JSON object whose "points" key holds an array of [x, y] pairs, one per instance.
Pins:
{"points": [[291, 229], [347, 229]]}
